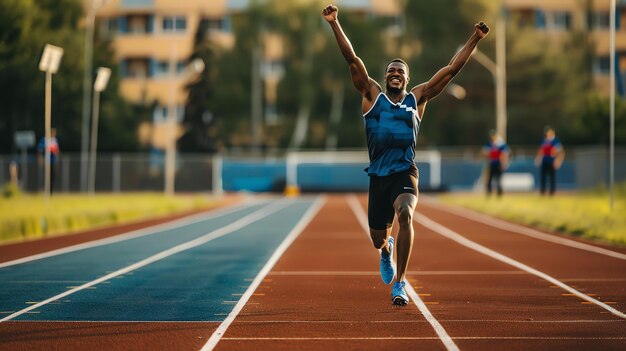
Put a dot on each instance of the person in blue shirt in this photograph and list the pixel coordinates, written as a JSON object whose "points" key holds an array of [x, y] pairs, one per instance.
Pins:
{"points": [[392, 120], [497, 153], [549, 158]]}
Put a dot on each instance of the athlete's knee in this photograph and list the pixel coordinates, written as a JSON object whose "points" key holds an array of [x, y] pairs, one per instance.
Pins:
{"points": [[405, 214]]}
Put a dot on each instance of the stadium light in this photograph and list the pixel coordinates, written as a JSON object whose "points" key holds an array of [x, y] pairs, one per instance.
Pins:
{"points": [[612, 107], [49, 63], [194, 68], [102, 79], [92, 8], [498, 71]]}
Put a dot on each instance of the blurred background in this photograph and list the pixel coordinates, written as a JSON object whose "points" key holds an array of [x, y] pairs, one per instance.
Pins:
{"points": [[274, 93]]}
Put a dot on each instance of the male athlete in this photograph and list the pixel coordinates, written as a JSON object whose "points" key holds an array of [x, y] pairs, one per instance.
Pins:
{"points": [[392, 121]]}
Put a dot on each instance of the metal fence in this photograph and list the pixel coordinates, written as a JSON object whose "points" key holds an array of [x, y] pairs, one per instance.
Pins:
{"points": [[460, 169]]}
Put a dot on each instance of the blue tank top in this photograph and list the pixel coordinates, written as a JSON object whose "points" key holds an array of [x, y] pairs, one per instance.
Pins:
{"points": [[391, 135]]}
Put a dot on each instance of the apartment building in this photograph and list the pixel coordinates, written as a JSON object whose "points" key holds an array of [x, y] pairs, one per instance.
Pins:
{"points": [[150, 36], [558, 17]]}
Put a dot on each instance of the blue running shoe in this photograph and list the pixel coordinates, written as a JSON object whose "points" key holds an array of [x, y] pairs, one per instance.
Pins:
{"points": [[387, 269], [398, 294]]}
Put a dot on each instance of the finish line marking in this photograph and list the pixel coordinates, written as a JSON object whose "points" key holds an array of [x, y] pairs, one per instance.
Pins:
{"points": [[376, 273], [435, 338], [441, 332], [228, 229], [454, 236], [295, 232]]}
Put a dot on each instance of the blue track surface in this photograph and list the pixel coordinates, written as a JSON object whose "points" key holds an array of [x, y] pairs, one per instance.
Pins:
{"points": [[193, 285]]}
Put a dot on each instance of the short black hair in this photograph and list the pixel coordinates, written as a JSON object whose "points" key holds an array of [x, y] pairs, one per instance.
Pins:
{"points": [[398, 60], [547, 129]]}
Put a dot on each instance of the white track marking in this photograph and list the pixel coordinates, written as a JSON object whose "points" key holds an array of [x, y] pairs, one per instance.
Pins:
{"points": [[134, 234], [512, 227], [295, 232], [448, 233], [387, 338], [582, 321], [441, 332], [367, 273], [242, 222]]}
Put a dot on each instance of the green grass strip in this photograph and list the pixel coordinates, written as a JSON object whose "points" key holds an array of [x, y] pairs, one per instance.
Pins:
{"points": [[25, 217], [586, 215]]}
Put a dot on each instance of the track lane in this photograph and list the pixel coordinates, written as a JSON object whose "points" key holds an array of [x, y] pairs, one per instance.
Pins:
{"points": [[37, 280], [601, 276], [502, 311], [293, 309]]}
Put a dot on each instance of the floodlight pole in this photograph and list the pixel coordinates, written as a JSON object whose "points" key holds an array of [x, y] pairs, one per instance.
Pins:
{"points": [[498, 71], [87, 75], [170, 147], [612, 107], [94, 141], [48, 135], [102, 79], [49, 63], [501, 117]]}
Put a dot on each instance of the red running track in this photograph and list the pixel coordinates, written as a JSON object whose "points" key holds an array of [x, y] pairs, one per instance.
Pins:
{"points": [[325, 293]]}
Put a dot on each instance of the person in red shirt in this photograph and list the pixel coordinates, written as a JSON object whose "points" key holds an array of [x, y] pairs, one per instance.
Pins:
{"points": [[549, 158], [497, 154]]}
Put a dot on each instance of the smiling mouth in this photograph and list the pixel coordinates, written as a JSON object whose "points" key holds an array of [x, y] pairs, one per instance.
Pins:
{"points": [[395, 80]]}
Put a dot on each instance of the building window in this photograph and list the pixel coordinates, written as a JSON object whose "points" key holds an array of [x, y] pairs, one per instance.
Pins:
{"points": [[601, 65], [598, 20], [174, 24], [161, 113], [139, 24], [562, 20], [137, 68], [162, 68]]}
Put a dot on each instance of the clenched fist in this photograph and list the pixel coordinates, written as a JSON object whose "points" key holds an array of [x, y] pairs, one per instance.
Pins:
{"points": [[330, 13], [481, 29]]}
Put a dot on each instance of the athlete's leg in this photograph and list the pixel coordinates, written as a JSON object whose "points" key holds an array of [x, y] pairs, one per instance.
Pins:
{"points": [[404, 206], [497, 175], [542, 179], [552, 180], [380, 237], [489, 180]]}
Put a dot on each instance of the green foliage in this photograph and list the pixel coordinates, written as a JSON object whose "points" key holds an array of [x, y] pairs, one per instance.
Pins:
{"points": [[25, 27]]}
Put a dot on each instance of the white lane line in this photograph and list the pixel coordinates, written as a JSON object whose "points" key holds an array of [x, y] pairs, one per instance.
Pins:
{"points": [[441, 332], [448, 233], [295, 232], [516, 228], [432, 338], [242, 222], [423, 321], [368, 273], [136, 233]]}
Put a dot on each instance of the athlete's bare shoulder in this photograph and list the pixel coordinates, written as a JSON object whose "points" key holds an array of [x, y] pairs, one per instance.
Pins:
{"points": [[418, 91]]}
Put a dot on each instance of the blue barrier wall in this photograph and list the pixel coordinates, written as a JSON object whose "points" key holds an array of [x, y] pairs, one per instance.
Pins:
{"points": [[265, 176]]}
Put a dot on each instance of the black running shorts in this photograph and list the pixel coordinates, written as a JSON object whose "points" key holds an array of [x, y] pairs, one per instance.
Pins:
{"points": [[384, 191]]}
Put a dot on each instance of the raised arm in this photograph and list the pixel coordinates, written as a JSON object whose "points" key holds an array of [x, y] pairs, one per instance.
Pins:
{"points": [[438, 82], [361, 80]]}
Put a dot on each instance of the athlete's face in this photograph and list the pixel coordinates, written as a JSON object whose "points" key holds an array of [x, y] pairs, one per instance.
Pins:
{"points": [[396, 77]]}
